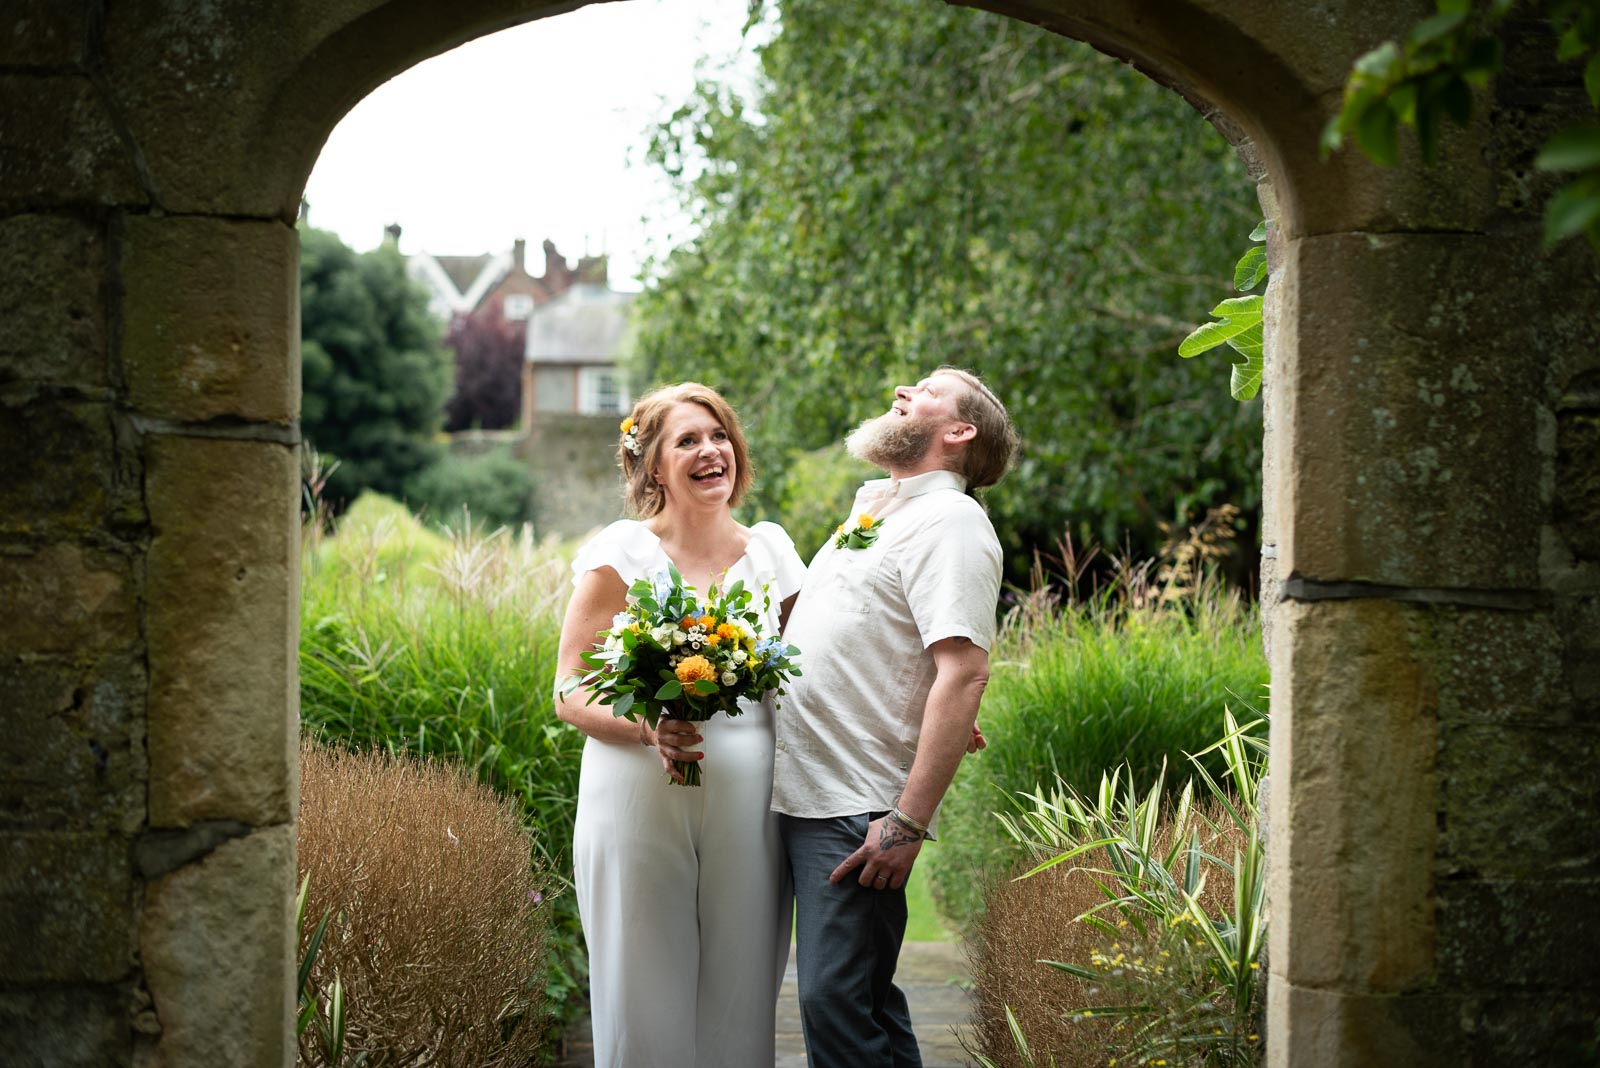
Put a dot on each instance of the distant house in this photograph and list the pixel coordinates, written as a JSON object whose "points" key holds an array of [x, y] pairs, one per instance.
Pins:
{"points": [[497, 283], [573, 350]]}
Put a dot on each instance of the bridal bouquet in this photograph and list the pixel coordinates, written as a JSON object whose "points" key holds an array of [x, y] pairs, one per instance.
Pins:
{"points": [[678, 654]]}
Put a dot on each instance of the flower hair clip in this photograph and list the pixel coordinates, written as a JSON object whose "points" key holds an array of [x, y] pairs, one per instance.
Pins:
{"points": [[630, 440]]}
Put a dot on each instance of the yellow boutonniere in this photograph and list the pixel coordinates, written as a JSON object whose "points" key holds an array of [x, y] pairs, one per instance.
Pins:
{"points": [[863, 534]]}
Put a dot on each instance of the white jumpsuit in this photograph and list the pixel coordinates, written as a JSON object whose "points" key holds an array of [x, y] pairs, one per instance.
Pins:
{"points": [[700, 991]]}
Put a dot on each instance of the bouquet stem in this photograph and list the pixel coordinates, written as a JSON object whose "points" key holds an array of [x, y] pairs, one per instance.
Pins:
{"points": [[689, 770]]}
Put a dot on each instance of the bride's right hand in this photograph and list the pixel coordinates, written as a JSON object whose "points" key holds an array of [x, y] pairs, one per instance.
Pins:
{"points": [[672, 737]]}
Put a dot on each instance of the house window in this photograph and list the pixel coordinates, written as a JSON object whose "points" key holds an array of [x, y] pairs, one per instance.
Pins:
{"points": [[600, 391], [518, 306]]}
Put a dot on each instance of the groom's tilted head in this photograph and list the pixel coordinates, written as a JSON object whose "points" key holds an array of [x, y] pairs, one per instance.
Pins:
{"points": [[986, 456]]}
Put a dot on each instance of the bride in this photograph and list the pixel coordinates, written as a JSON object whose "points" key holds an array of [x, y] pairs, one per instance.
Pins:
{"points": [[683, 891]]}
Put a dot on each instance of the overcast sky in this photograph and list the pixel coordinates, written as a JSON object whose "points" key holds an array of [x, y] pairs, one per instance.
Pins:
{"points": [[532, 132]]}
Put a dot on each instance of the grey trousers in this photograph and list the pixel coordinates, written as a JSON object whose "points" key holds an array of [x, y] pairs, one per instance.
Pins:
{"points": [[847, 943]]}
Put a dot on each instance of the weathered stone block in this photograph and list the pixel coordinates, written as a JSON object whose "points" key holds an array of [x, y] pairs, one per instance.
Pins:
{"points": [[1354, 797], [1408, 453], [1516, 801], [52, 319], [1309, 1028], [66, 599], [1536, 934], [66, 908], [65, 1027], [217, 942], [72, 753], [60, 146], [1577, 484], [1500, 667], [1552, 1027], [43, 33], [221, 627], [210, 324], [1580, 619], [62, 465]]}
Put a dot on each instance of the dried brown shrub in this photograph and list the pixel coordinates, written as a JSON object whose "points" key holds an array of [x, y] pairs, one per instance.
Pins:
{"points": [[1026, 921], [438, 919]]}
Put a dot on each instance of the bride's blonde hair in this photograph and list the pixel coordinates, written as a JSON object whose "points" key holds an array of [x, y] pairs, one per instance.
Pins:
{"points": [[644, 495]]}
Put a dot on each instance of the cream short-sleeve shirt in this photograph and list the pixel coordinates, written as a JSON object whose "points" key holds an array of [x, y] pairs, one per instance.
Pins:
{"points": [[847, 729]]}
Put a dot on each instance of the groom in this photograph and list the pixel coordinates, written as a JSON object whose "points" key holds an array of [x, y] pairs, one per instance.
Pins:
{"points": [[895, 620]]}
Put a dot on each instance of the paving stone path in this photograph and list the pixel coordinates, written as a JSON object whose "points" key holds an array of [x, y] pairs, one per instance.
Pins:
{"points": [[934, 976]]}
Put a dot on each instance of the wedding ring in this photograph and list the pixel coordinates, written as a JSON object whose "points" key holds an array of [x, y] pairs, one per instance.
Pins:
{"points": [[882, 879]]}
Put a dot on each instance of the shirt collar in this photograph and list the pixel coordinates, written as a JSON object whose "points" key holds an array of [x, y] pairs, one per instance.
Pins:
{"points": [[916, 485]]}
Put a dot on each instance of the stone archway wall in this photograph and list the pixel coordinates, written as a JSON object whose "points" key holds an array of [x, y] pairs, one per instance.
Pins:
{"points": [[1432, 566]]}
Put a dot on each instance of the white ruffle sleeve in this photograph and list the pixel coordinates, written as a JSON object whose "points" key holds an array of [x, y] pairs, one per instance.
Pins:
{"points": [[775, 561], [626, 545]]}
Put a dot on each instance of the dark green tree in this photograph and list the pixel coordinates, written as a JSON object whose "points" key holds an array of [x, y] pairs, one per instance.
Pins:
{"points": [[914, 185], [374, 374]]}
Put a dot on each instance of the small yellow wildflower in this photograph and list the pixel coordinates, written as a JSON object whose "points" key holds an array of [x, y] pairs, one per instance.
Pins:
{"points": [[1254, 1037], [1255, 966], [708, 622], [1087, 1013], [627, 424], [694, 668], [865, 521]]}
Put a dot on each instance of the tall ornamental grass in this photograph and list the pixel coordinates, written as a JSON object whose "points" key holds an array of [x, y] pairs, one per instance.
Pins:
{"points": [[433, 944], [1133, 676], [1135, 936], [444, 645]]}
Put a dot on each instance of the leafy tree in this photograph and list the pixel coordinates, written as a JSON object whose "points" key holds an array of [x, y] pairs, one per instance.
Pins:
{"points": [[914, 185], [374, 375], [488, 357], [1430, 76]]}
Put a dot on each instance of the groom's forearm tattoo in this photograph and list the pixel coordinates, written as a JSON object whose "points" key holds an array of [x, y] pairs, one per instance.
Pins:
{"points": [[891, 834]]}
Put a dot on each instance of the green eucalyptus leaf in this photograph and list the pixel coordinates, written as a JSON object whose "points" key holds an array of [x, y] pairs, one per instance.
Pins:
{"points": [[1485, 58], [1377, 135], [1435, 27], [1454, 96], [1572, 210], [1381, 62], [705, 686], [669, 691], [1576, 148], [1571, 45]]}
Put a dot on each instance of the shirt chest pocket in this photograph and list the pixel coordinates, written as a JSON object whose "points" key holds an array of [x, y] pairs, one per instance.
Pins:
{"points": [[856, 575]]}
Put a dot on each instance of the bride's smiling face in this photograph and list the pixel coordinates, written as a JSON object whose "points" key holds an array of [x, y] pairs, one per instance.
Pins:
{"points": [[696, 463]]}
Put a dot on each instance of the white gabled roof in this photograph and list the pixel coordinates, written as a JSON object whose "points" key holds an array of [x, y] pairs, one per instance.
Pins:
{"points": [[445, 298]]}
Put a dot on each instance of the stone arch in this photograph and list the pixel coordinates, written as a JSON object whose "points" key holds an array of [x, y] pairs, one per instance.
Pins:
{"points": [[1430, 562]]}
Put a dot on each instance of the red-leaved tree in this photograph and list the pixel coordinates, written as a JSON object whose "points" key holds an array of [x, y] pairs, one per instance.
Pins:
{"points": [[488, 352]]}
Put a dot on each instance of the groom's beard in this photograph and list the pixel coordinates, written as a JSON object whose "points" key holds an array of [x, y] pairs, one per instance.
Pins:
{"points": [[891, 441]]}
